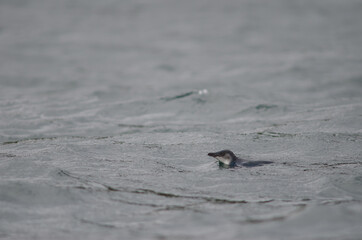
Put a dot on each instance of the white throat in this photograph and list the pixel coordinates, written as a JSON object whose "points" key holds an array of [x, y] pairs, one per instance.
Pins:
{"points": [[226, 161]]}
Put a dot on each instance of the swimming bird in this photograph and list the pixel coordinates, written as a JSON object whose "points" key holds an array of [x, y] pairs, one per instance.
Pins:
{"points": [[227, 159]]}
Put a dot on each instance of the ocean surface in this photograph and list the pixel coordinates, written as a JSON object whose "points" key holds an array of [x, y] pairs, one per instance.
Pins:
{"points": [[109, 108]]}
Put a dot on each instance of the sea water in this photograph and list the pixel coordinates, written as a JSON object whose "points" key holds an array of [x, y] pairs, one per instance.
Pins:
{"points": [[109, 108]]}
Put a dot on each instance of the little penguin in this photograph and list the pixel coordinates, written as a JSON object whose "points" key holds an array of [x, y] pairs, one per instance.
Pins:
{"points": [[227, 159]]}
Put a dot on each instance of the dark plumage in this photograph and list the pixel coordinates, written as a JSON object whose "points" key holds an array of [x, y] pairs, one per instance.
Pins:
{"points": [[228, 159]]}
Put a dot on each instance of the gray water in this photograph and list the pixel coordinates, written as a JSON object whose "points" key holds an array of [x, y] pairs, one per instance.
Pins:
{"points": [[109, 108]]}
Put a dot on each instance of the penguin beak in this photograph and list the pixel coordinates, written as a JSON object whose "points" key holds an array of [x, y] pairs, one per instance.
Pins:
{"points": [[212, 154]]}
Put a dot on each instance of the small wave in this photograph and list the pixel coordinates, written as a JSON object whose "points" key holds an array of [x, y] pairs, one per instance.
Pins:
{"points": [[35, 139], [214, 200], [265, 107], [276, 134], [204, 198], [91, 184], [7, 155], [254, 220], [178, 96], [183, 95], [130, 125], [97, 223]]}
